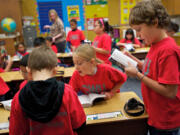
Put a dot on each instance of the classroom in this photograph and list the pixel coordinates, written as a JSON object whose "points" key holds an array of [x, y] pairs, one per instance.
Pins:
{"points": [[89, 67]]}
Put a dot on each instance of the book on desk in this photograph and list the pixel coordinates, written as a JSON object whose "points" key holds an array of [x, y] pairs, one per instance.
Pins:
{"points": [[90, 99]]}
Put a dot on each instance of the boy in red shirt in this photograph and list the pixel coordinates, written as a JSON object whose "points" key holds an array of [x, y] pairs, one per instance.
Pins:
{"points": [[75, 37], [160, 75], [45, 105]]}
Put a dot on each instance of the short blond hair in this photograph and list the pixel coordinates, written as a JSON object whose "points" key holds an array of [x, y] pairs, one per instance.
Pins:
{"points": [[53, 11], [86, 52], [42, 58], [149, 12]]}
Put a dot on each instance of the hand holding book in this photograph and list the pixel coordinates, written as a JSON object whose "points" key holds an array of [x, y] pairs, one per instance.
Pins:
{"points": [[121, 58]]}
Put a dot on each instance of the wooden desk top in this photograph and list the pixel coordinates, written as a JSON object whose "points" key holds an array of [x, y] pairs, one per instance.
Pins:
{"points": [[68, 72], [141, 50], [59, 55], [115, 104], [17, 76], [11, 76], [4, 114]]}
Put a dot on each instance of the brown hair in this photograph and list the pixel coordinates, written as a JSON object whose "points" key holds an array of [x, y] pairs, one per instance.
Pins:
{"points": [[42, 58], [86, 52], [149, 12]]}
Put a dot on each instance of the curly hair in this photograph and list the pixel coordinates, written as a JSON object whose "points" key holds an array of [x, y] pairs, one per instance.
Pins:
{"points": [[150, 13]]}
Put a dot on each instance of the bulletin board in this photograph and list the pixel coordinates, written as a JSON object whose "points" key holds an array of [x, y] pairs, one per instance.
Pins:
{"points": [[77, 11], [66, 9], [126, 6], [43, 10], [95, 2], [73, 12], [95, 12]]}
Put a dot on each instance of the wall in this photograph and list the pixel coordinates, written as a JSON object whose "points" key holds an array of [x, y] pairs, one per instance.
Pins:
{"points": [[12, 9]]}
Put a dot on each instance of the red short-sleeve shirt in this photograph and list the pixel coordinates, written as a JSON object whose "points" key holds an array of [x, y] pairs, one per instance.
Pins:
{"points": [[105, 79], [104, 42], [75, 37], [162, 64]]}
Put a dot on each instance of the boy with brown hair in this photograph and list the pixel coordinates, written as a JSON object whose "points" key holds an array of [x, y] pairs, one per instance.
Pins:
{"points": [[160, 75], [45, 105]]}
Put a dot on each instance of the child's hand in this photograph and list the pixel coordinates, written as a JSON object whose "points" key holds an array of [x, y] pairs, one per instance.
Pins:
{"points": [[53, 39], [131, 70], [46, 26], [109, 95]]}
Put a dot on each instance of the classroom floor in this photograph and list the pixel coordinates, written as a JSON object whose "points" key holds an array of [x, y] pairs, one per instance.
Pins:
{"points": [[132, 84]]}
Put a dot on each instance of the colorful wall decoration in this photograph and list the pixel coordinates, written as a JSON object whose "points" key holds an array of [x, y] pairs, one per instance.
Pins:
{"points": [[73, 12], [126, 6], [67, 9], [95, 2], [95, 12]]}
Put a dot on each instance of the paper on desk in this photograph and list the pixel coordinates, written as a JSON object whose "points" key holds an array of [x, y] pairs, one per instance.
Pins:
{"points": [[4, 125], [6, 104], [104, 115]]}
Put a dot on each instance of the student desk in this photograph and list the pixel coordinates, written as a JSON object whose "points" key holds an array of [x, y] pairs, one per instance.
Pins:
{"points": [[125, 125], [140, 53], [17, 76], [4, 114], [68, 72], [11, 76], [66, 58], [14, 78]]}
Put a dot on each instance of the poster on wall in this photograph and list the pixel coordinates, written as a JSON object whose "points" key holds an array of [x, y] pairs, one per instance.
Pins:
{"points": [[91, 22], [73, 12], [95, 2], [126, 6]]}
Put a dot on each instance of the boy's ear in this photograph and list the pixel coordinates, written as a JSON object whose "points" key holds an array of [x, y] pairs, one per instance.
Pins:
{"points": [[29, 73], [28, 70], [54, 70]]}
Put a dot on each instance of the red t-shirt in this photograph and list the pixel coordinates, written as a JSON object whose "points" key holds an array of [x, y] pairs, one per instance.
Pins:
{"points": [[71, 116], [22, 84], [136, 41], [54, 48], [3, 87], [162, 64], [1, 70], [22, 54], [105, 79], [104, 42], [75, 37]]}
